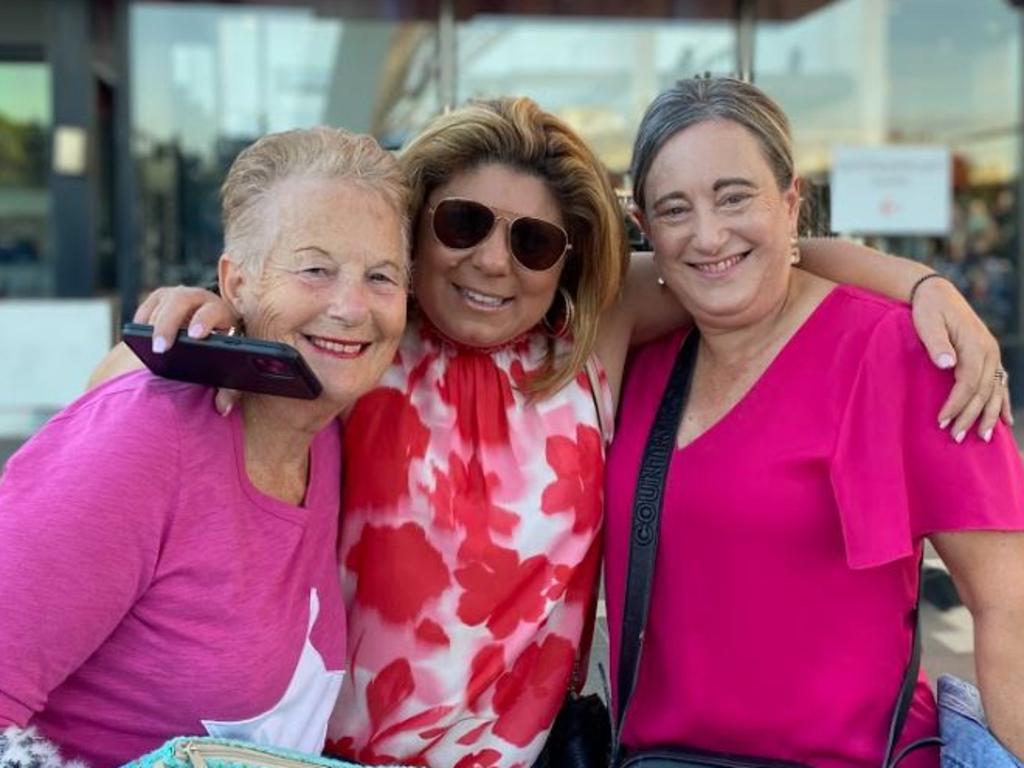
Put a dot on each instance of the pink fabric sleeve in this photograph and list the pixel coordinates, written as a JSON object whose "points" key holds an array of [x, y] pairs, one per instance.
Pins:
{"points": [[897, 477], [82, 509]]}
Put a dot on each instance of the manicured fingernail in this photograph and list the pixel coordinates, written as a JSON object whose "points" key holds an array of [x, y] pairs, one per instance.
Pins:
{"points": [[227, 409], [943, 423], [987, 437], [195, 330], [959, 436], [946, 360], [159, 345]]}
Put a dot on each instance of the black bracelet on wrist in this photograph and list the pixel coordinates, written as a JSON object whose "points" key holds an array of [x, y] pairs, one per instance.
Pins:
{"points": [[922, 280]]}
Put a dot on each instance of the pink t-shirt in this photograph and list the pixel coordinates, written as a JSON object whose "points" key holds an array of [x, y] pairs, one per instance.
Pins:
{"points": [[149, 590], [787, 570]]}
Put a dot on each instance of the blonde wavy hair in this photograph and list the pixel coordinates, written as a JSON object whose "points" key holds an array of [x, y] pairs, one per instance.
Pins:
{"points": [[317, 153], [518, 133]]}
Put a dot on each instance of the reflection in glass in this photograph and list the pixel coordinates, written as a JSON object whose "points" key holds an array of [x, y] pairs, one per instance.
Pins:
{"points": [[209, 79], [939, 72], [25, 122], [597, 74]]}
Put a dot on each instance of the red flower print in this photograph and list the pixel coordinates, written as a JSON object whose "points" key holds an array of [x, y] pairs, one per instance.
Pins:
{"points": [[487, 666], [527, 698], [397, 571], [502, 591], [472, 737], [584, 577], [383, 435], [480, 393], [560, 583], [576, 584], [388, 689], [463, 498], [485, 758], [579, 468], [432, 633], [521, 377], [417, 721], [343, 748]]}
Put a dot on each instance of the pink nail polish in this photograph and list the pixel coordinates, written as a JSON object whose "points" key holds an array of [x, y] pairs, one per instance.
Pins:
{"points": [[987, 437], [946, 361], [159, 345], [959, 437], [944, 423], [195, 330]]}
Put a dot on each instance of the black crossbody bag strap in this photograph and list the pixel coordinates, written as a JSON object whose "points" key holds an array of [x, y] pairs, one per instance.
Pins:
{"points": [[643, 549], [906, 694], [643, 542]]}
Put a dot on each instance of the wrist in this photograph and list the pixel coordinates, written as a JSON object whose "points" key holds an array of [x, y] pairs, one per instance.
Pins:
{"points": [[929, 279]]}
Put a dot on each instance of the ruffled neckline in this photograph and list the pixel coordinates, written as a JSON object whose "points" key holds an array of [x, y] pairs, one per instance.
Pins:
{"points": [[432, 332]]}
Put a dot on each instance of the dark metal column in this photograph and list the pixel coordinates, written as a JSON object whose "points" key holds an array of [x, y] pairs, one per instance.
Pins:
{"points": [[72, 214], [125, 185], [746, 26]]}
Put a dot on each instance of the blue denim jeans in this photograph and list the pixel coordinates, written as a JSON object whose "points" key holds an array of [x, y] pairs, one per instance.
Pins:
{"points": [[967, 741]]}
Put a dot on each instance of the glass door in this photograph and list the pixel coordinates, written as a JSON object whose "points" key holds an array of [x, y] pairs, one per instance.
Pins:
{"points": [[25, 123]]}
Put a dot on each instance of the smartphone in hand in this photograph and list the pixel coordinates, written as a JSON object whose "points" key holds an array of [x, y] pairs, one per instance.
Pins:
{"points": [[230, 362]]}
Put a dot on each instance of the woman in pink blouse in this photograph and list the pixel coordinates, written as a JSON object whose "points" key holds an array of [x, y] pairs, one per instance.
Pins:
{"points": [[473, 506], [806, 475]]}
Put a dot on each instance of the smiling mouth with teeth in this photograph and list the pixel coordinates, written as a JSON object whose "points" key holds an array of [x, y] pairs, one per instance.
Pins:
{"points": [[717, 267], [336, 348], [482, 299]]}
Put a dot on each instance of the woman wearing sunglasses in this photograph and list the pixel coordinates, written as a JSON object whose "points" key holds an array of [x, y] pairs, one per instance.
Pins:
{"points": [[470, 539]]}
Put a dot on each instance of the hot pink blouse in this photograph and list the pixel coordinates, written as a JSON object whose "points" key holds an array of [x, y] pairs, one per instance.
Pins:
{"points": [[787, 572]]}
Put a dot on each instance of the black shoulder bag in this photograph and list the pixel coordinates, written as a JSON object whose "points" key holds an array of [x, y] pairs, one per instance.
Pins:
{"points": [[647, 504]]}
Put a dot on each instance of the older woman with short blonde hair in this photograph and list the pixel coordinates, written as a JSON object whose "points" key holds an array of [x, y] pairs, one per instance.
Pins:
{"points": [[167, 572]]}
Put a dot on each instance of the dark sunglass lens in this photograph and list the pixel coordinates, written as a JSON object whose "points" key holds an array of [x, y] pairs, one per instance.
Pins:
{"points": [[537, 244], [462, 223]]}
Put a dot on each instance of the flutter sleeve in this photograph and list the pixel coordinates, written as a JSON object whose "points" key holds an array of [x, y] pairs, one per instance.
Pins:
{"points": [[896, 475]]}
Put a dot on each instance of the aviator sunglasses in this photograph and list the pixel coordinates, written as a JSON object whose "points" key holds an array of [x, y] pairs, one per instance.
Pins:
{"points": [[461, 224]]}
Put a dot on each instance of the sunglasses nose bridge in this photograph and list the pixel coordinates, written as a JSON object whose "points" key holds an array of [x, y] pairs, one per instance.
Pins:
{"points": [[493, 254]]}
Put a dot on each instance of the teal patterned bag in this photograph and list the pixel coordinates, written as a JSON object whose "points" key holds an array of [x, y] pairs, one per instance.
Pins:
{"points": [[203, 752]]}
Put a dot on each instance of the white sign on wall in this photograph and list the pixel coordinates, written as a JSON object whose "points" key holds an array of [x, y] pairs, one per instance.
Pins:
{"points": [[895, 190]]}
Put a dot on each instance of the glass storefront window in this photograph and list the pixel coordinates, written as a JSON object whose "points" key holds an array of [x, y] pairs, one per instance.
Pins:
{"points": [[597, 74], [25, 125], [209, 79], [932, 72]]}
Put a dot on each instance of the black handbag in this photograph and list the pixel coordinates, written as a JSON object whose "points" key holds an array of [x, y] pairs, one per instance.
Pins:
{"points": [[643, 547], [582, 734]]}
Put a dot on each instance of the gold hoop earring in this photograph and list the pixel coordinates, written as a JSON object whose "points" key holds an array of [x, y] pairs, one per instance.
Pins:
{"points": [[568, 314]]}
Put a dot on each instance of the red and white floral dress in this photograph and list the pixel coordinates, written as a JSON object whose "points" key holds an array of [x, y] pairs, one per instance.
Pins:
{"points": [[470, 546]]}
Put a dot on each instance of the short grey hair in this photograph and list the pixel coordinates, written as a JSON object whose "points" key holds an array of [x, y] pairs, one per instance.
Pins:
{"points": [[314, 153], [701, 99]]}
